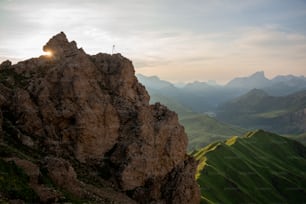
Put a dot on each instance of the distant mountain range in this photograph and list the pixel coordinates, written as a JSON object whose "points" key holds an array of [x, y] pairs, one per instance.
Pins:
{"points": [[278, 86], [260, 167], [206, 97]]}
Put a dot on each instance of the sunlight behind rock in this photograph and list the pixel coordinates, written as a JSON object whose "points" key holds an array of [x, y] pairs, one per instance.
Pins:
{"points": [[48, 53]]}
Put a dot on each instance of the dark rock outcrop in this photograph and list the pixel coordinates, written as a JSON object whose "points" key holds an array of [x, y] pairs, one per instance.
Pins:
{"points": [[93, 120]]}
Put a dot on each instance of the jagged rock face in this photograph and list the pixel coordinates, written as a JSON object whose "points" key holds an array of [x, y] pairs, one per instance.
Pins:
{"points": [[93, 109]]}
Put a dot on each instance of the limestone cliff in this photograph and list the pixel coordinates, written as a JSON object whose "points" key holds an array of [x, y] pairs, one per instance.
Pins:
{"points": [[86, 124]]}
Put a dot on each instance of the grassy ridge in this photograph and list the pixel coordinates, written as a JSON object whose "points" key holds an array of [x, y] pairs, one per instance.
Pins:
{"points": [[300, 138], [261, 167]]}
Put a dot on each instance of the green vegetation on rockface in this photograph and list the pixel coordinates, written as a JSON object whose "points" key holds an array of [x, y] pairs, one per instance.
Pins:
{"points": [[14, 183], [260, 167]]}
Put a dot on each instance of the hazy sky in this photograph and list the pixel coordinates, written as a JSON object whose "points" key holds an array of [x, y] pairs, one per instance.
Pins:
{"points": [[174, 39]]}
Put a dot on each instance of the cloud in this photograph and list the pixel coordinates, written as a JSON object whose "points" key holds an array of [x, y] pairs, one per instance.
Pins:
{"points": [[220, 55], [176, 39], [272, 43]]}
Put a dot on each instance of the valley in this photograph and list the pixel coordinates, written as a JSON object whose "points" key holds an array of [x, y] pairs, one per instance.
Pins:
{"points": [[244, 103], [201, 129]]}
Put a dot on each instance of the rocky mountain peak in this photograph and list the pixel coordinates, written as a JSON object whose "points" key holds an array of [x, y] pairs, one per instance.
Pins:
{"points": [[259, 74], [59, 46], [87, 117], [256, 80]]}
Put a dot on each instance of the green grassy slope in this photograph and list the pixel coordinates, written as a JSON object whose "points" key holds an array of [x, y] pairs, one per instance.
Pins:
{"points": [[260, 167], [14, 183], [256, 109], [179, 108], [200, 128]]}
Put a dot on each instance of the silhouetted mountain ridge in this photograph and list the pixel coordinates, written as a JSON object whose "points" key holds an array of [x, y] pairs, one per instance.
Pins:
{"points": [[256, 80]]}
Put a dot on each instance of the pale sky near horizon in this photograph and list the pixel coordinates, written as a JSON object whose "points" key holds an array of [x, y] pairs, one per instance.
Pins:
{"points": [[174, 39]]}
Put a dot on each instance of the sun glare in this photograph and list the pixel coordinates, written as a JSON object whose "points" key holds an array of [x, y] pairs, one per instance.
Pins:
{"points": [[48, 53]]}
